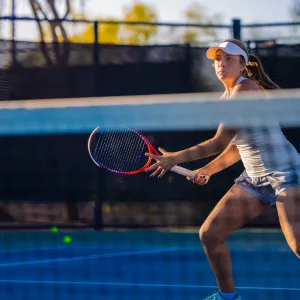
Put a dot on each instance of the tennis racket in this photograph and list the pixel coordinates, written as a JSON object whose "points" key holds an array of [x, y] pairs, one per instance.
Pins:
{"points": [[123, 151]]}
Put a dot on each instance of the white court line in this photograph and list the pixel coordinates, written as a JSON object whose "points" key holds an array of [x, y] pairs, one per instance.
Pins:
{"points": [[45, 261], [185, 286], [244, 249]]}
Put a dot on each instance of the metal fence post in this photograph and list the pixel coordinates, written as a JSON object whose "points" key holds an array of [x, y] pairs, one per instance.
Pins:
{"points": [[96, 43], [98, 218], [13, 34], [236, 29]]}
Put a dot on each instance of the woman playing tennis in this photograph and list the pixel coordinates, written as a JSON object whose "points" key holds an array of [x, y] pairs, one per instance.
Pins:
{"points": [[272, 168]]}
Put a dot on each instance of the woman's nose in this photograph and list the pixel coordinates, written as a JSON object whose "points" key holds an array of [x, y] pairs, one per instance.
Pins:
{"points": [[222, 62]]}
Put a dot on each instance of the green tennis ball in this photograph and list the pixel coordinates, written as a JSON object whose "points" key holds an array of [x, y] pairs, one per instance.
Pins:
{"points": [[67, 239], [54, 229]]}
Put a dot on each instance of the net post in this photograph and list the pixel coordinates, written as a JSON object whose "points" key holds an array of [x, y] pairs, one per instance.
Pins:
{"points": [[236, 28], [72, 209], [99, 198], [98, 220]]}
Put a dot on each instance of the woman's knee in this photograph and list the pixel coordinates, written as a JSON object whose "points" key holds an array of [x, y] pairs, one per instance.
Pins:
{"points": [[208, 236]]}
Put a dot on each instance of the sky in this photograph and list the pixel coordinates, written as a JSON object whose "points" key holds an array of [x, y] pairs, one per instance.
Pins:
{"points": [[248, 11]]}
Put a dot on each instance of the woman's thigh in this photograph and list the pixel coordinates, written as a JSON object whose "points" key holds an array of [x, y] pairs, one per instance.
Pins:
{"points": [[235, 209]]}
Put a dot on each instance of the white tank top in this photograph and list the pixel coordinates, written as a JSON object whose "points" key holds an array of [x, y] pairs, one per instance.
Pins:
{"points": [[264, 150]]}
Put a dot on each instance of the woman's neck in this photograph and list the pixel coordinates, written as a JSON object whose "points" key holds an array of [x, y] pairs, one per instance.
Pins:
{"points": [[229, 86]]}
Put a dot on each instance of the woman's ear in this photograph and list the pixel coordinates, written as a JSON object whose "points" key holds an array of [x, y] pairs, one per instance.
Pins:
{"points": [[243, 67]]}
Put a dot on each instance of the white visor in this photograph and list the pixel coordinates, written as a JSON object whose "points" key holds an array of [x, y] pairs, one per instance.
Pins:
{"points": [[227, 47]]}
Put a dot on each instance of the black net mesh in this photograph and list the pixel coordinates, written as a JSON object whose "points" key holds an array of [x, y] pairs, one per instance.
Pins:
{"points": [[71, 230]]}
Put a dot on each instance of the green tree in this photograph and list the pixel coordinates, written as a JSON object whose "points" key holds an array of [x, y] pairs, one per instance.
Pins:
{"points": [[108, 32], [197, 14], [139, 34], [55, 39], [111, 32]]}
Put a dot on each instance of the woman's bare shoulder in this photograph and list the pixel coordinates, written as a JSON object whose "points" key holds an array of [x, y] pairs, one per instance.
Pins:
{"points": [[247, 85]]}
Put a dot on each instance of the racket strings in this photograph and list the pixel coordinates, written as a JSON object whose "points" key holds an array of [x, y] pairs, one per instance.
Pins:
{"points": [[139, 143], [110, 153], [115, 157], [121, 151], [121, 159], [137, 147], [103, 152], [132, 148]]}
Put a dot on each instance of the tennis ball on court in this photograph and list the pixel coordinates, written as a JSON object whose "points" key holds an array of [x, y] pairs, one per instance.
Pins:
{"points": [[54, 229], [67, 239], [106, 208]]}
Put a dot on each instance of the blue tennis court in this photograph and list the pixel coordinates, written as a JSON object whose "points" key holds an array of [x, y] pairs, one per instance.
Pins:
{"points": [[140, 265]]}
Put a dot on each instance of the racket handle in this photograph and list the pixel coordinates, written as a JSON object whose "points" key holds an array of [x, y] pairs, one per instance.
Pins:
{"points": [[186, 172], [183, 171]]}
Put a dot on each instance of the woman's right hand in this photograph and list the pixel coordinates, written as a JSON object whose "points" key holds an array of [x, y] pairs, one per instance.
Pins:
{"points": [[202, 176], [163, 163]]}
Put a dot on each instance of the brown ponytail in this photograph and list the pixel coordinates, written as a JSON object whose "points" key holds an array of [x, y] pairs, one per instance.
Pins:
{"points": [[254, 69]]}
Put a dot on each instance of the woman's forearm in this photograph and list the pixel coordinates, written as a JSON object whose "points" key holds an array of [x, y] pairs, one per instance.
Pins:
{"points": [[226, 159], [208, 148], [205, 149]]}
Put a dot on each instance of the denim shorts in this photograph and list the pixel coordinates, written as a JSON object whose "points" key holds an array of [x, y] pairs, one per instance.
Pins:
{"points": [[267, 188]]}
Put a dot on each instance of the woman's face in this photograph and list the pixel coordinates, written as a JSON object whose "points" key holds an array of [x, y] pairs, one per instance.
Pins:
{"points": [[227, 67]]}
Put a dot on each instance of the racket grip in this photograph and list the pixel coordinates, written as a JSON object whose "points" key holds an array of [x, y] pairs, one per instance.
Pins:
{"points": [[183, 171]]}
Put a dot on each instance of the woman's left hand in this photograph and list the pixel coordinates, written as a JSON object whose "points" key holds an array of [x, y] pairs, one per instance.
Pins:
{"points": [[202, 176]]}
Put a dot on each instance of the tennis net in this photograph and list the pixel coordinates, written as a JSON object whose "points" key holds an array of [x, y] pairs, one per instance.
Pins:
{"points": [[60, 213]]}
